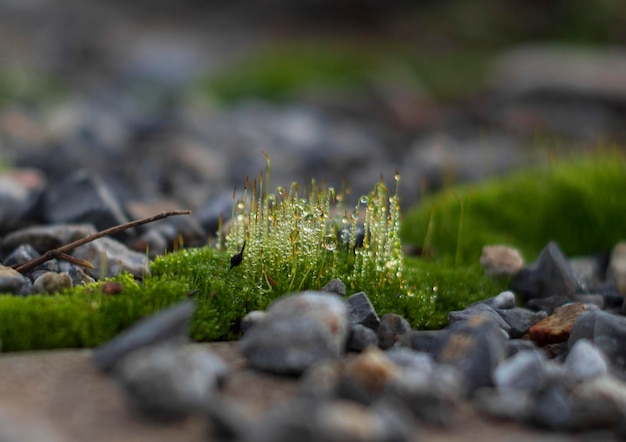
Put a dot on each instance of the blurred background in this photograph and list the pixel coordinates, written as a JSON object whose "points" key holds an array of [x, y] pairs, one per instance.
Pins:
{"points": [[172, 103]]}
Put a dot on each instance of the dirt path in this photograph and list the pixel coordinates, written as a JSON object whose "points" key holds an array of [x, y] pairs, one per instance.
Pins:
{"points": [[58, 396]]}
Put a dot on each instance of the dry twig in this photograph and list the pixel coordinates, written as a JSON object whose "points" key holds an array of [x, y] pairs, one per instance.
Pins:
{"points": [[61, 252]]}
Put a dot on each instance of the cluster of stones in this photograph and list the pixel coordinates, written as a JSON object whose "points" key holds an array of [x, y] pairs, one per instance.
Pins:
{"points": [[557, 362], [108, 256], [43, 219]]}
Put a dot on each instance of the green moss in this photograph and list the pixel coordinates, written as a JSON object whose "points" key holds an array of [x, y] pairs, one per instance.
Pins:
{"points": [[281, 71], [286, 71], [578, 203], [293, 243], [82, 317], [27, 86], [431, 290]]}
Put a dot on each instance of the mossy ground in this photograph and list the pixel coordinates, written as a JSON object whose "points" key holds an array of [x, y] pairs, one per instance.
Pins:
{"points": [[289, 71], [579, 203], [27, 87]]}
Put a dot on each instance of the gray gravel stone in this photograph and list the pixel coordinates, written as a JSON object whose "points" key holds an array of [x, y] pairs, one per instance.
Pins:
{"points": [[520, 320], [44, 238], [20, 255], [527, 370], [76, 273], [170, 381], [111, 257], [549, 275], [170, 324], [423, 340], [335, 286], [606, 331], [366, 378], [169, 234], [83, 197], [412, 360], [553, 408], [251, 318], [504, 404], [590, 299], [476, 310], [431, 395], [503, 300], [549, 304], [336, 421], [475, 348], [361, 337], [11, 281], [588, 272], [599, 402], [321, 379], [585, 362], [298, 330], [391, 329], [361, 311], [514, 346], [616, 272]]}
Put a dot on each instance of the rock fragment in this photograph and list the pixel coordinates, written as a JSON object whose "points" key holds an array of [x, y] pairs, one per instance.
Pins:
{"points": [[170, 324], [556, 327], [501, 261], [297, 331], [549, 275], [12, 281], [170, 381], [361, 311], [391, 329]]}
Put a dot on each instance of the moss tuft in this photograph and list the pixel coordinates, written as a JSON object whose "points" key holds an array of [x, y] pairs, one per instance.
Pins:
{"points": [[578, 203], [83, 316]]}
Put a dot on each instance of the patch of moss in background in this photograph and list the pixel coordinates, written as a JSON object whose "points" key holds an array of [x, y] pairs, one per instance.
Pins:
{"points": [[287, 71], [446, 47], [28, 86], [579, 203]]}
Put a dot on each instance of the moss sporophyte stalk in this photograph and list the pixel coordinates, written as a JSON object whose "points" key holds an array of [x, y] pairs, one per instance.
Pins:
{"points": [[301, 239]]}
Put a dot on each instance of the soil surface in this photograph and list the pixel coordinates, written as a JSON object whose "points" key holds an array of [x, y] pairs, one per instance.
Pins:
{"points": [[59, 396]]}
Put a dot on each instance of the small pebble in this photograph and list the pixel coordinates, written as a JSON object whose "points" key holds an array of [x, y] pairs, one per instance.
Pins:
{"points": [[501, 261], [51, 282]]}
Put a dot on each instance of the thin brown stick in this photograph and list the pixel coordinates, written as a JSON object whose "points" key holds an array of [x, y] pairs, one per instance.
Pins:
{"points": [[74, 260], [58, 252]]}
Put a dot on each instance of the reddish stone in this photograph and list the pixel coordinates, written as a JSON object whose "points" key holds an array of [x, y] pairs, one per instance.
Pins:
{"points": [[556, 327]]}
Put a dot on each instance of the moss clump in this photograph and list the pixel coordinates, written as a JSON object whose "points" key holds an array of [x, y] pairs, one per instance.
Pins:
{"points": [[287, 71], [83, 316], [578, 203], [20, 85], [295, 241]]}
